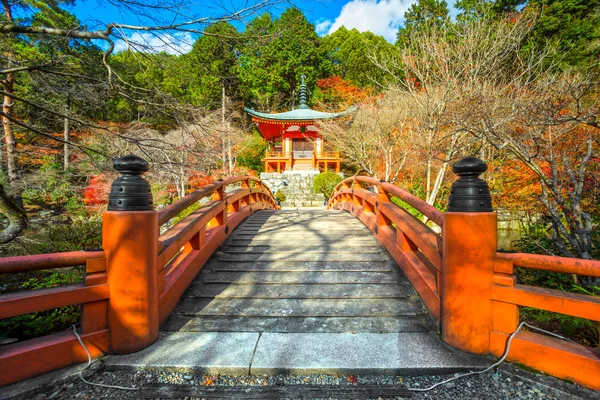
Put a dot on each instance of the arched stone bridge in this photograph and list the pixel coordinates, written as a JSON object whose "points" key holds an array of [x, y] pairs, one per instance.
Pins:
{"points": [[361, 286]]}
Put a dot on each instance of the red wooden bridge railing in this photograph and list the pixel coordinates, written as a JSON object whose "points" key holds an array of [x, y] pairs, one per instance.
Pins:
{"points": [[134, 283], [469, 288]]}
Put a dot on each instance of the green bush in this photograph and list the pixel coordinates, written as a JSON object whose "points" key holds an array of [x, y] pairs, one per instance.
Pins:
{"points": [[326, 182], [81, 235], [44, 322], [535, 240], [280, 196], [252, 151]]}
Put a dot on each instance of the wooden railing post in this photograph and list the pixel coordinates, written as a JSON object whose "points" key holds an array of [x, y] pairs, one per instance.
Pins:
{"points": [[130, 242], [219, 195], [382, 197], [469, 235]]}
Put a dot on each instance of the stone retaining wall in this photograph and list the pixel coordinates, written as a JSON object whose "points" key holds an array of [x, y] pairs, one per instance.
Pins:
{"points": [[297, 186]]}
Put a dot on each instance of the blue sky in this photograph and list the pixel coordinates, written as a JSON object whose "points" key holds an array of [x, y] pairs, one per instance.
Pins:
{"points": [[382, 17]]}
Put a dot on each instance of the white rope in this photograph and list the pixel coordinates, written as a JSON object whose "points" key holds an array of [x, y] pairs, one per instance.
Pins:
{"points": [[500, 361], [90, 363]]}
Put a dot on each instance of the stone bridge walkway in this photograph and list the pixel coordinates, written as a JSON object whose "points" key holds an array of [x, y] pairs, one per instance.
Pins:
{"points": [[306, 291]]}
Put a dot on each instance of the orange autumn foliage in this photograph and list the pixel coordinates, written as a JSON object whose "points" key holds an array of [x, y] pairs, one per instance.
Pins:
{"points": [[97, 190], [342, 92]]}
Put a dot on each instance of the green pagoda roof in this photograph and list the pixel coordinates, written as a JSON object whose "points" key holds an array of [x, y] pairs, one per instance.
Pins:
{"points": [[302, 113]]}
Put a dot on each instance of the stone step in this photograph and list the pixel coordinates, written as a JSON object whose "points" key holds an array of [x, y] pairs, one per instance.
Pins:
{"points": [[303, 229], [302, 256], [243, 353], [298, 237], [403, 323], [285, 308], [291, 266], [297, 250], [302, 226], [298, 278], [356, 241], [301, 291]]}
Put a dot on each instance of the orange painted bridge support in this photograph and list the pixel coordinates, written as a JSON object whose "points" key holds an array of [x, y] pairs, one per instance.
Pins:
{"points": [[480, 298], [130, 240], [469, 248]]}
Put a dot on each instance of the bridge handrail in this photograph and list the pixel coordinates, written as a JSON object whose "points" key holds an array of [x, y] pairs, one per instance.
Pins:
{"points": [[178, 206], [468, 286], [185, 247], [137, 271], [423, 207], [36, 262], [566, 265], [558, 357], [415, 247]]}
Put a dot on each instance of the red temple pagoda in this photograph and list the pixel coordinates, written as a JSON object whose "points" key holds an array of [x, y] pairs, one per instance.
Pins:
{"points": [[296, 142]]}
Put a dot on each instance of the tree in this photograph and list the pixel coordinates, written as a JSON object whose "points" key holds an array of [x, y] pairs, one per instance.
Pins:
{"points": [[475, 79], [253, 149], [49, 67], [550, 126], [572, 25], [348, 53], [211, 65], [473, 9], [380, 138], [269, 70], [337, 93], [326, 182], [421, 15]]}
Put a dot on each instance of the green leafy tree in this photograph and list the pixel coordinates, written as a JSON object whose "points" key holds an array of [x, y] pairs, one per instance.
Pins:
{"points": [[572, 25], [475, 8], [252, 151], [211, 65], [270, 69], [350, 54], [421, 15]]}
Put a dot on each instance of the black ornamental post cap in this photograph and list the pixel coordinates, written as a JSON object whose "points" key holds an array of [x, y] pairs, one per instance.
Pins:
{"points": [[131, 164], [130, 192], [470, 193]]}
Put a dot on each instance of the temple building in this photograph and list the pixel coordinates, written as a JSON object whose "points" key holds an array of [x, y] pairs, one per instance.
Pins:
{"points": [[296, 142]]}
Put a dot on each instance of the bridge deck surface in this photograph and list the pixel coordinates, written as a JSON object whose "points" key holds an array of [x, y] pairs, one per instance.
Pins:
{"points": [[306, 291]]}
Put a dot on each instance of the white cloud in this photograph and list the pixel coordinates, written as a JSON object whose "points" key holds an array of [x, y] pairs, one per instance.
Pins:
{"points": [[322, 26], [382, 17], [177, 43]]}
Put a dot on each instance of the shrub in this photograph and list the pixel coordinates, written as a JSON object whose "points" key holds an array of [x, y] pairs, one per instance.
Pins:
{"points": [[44, 322], [326, 182], [280, 196], [81, 235]]}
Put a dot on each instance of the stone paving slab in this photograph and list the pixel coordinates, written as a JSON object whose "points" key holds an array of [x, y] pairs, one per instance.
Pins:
{"points": [[297, 278], [200, 352], [404, 323], [301, 291], [240, 353], [285, 308], [356, 241], [306, 266], [333, 248], [406, 353], [302, 256]]}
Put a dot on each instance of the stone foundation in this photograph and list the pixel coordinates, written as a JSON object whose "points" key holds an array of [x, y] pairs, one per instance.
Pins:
{"points": [[297, 186]]}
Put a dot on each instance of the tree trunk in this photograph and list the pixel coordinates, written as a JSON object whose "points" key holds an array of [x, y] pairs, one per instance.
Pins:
{"points": [[16, 216], [67, 138], [11, 147], [229, 156]]}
